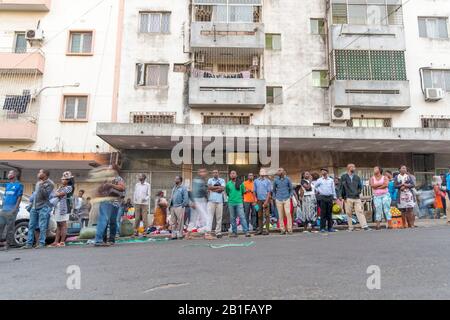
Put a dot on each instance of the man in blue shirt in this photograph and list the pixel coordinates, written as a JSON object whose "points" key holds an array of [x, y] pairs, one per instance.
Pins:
{"points": [[8, 213], [263, 189], [282, 191], [178, 203], [216, 187], [326, 195]]}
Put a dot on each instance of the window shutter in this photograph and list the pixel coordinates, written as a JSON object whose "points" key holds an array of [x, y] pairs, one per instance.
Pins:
{"points": [[155, 23], [165, 24], [144, 22], [442, 28], [140, 74], [276, 42], [69, 112], [277, 95], [422, 28], [427, 79], [152, 75], [87, 42], [163, 75], [82, 108], [75, 46], [447, 80]]}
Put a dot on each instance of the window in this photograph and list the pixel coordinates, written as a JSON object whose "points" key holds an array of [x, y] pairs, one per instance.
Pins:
{"points": [[367, 12], [435, 123], [226, 120], [273, 41], [228, 11], [75, 108], [436, 79], [152, 75], [152, 117], [20, 43], [80, 42], [275, 95], [317, 26], [435, 28], [320, 78], [155, 22], [369, 65], [370, 123]]}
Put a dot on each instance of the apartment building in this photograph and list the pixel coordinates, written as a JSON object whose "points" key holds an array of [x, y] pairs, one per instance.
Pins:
{"points": [[57, 63], [340, 80]]}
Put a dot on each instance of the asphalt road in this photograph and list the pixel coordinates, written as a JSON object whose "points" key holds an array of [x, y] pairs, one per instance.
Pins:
{"points": [[414, 264]]}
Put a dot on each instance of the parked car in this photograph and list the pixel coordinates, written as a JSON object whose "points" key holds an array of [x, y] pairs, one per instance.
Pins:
{"points": [[23, 219]]}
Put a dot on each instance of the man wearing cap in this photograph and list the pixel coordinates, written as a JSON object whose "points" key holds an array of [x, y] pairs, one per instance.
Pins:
{"points": [[326, 195], [263, 189]]}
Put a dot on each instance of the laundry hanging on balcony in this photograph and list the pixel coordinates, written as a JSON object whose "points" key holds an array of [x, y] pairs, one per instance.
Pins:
{"points": [[17, 104]]}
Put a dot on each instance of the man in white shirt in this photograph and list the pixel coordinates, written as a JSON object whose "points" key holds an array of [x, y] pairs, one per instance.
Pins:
{"points": [[141, 200]]}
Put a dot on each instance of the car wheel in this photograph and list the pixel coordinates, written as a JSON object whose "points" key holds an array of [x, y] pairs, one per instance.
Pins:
{"points": [[21, 233]]}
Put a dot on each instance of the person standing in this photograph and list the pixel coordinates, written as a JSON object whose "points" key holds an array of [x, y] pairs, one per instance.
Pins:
{"points": [[235, 191], [61, 211], [438, 203], [41, 209], [381, 197], [263, 191], [307, 196], [141, 198], [84, 212], [283, 190], [250, 201], [326, 195], [112, 190], [11, 202], [199, 215], [78, 203], [406, 202], [216, 187], [179, 200], [350, 191]]}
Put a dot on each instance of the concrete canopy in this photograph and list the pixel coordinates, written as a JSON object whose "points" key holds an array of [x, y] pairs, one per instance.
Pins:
{"points": [[123, 136]]}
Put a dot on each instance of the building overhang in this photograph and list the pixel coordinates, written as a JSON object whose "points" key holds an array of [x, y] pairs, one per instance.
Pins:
{"points": [[53, 160], [126, 136]]}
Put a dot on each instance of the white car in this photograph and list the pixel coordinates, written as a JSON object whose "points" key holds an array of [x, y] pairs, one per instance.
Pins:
{"points": [[22, 220]]}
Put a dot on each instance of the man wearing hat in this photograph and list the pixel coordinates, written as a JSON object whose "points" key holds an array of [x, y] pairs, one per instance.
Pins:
{"points": [[326, 195]]}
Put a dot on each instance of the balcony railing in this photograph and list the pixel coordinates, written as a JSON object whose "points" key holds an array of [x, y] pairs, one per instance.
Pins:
{"points": [[25, 5], [21, 60]]}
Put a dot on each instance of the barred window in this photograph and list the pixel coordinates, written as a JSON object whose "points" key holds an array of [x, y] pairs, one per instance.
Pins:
{"points": [[152, 75], [435, 123], [155, 22], [153, 117], [367, 12], [370, 123], [227, 11], [369, 65], [226, 120]]}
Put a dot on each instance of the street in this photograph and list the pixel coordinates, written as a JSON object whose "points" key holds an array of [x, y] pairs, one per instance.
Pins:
{"points": [[414, 264]]}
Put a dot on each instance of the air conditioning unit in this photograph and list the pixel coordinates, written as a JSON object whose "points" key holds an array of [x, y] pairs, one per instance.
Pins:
{"points": [[434, 94], [340, 114], [34, 35]]}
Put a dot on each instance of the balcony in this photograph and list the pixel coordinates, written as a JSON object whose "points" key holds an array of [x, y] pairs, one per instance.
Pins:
{"points": [[25, 5], [371, 95], [365, 37], [18, 125], [227, 35], [223, 92], [22, 61]]}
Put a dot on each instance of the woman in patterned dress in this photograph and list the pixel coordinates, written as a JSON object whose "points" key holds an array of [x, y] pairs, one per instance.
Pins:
{"points": [[308, 200], [404, 183]]}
